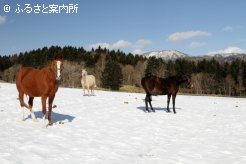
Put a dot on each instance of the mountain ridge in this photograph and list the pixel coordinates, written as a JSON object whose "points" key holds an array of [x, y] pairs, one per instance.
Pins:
{"points": [[175, 54]]}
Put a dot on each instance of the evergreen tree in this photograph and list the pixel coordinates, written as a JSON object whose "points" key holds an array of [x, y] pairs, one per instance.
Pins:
{"points": [[112, 75], [234, 70], [171, 68], [153, 66], [5, 63], [183, 67], [244, 74]]}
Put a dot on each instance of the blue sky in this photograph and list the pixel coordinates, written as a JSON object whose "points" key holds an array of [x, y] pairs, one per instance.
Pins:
{"points": [[195, 27]]}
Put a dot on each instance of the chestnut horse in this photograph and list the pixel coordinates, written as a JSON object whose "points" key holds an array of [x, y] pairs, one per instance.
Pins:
{"points": [[39, 83], [154, 85]]}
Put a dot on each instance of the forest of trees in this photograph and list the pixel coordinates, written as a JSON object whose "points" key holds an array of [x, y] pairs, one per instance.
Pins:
{"points": [[113, 69]]}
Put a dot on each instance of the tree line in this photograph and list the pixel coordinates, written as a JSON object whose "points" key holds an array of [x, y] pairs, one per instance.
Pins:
{"points": [[106, 64], [113, 69]]}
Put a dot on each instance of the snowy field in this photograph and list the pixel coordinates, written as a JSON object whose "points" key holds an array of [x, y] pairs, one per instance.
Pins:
{"points": [[113, 128]]}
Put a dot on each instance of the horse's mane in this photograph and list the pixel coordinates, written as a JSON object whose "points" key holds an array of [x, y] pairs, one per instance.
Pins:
{"points": [[181, 78]]}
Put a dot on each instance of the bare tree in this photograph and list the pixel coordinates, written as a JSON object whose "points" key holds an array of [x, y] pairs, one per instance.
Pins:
{"points": [[128, 74], [230, 84], [10, 73]]}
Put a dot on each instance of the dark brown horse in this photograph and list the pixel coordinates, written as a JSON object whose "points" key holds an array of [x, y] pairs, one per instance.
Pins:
{"points": [[154, 85], [39, 83]]}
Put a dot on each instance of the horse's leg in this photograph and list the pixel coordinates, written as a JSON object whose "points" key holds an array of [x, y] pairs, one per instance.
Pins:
{"points": [[173, 98], [51, 99], [168, 101], [84, 90], [146, 103], [30, 102], [150, 99], [21, 95], [88, 90], [44, 98]]}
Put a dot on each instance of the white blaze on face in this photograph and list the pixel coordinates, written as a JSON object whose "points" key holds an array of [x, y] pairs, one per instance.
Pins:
{"points": [[58, 74]]}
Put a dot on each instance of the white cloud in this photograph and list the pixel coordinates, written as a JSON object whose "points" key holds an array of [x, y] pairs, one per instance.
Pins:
{"points": [[179, 36], [196, 45], [2, 19], [227, 50], [138, 45], [120, 44], [227, 29]]}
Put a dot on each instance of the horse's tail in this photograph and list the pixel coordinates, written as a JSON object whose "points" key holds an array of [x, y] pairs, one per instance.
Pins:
{"points": [[94, 79], [22, 102], [19, 77]]}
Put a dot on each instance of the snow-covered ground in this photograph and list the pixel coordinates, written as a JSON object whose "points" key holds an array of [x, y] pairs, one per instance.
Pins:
{"points": [[113, 128]]}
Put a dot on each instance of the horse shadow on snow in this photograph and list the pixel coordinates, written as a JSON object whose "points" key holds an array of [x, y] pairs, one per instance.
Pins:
{"points": [[56, 117], [143, 108]]}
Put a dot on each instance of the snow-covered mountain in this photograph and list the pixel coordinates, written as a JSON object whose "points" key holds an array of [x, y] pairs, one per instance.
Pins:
{"points": [[174, 54], [166, 54], [227, 55]]}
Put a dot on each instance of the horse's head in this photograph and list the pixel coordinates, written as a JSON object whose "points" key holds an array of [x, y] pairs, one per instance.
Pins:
{"points": [[186, 80], [188, 83], [57, 66], [84, 72]]}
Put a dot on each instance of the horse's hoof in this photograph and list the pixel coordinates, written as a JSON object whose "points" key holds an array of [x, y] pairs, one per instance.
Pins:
{"points": [[50, 124], [44, 126]]}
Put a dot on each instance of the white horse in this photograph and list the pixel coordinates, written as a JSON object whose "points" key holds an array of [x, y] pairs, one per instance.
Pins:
{"points": [[88, 82]]}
